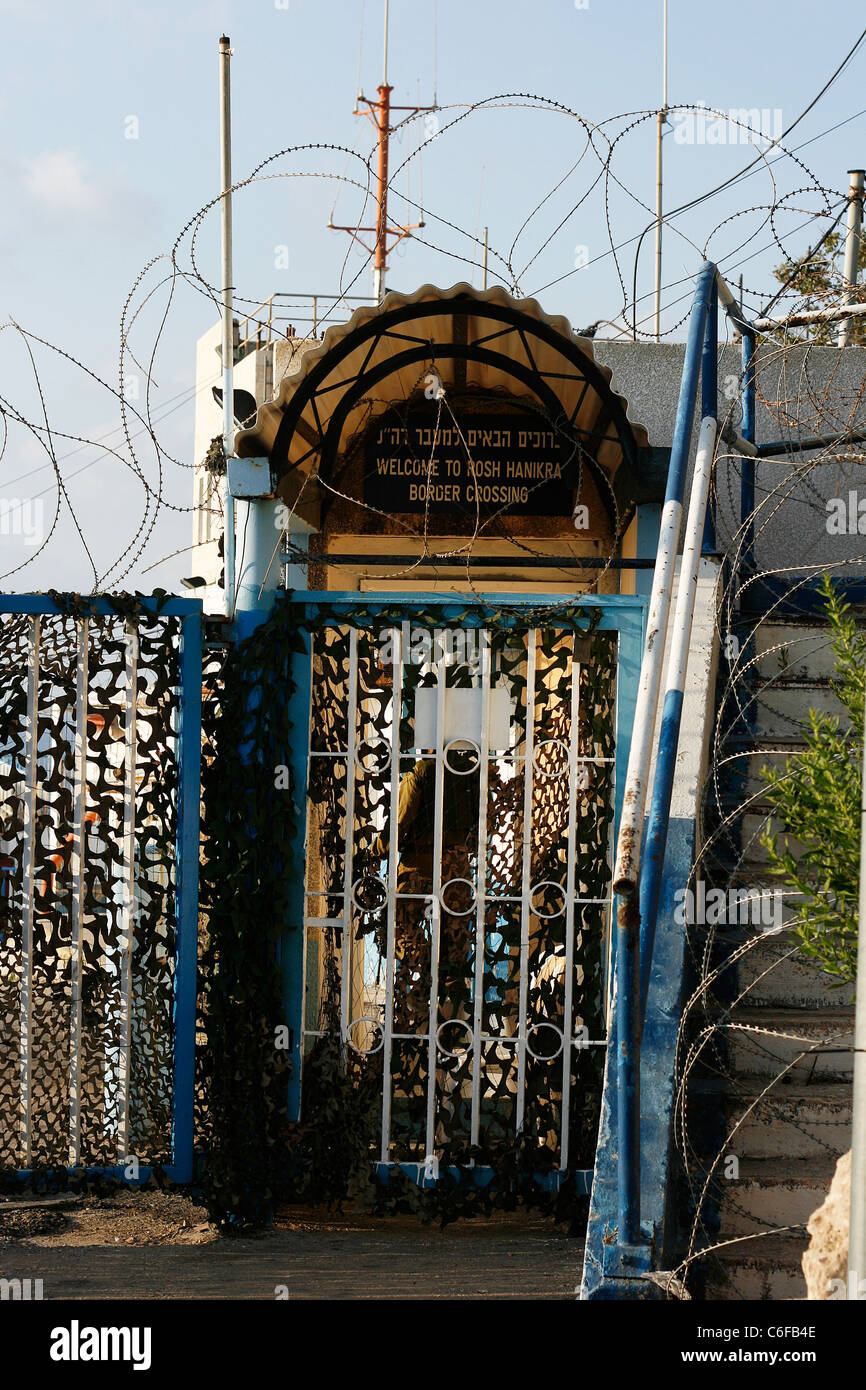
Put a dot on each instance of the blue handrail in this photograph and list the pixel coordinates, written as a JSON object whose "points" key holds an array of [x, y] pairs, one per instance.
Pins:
{"points": [[652, 861], [626, 874], [623, 1252]]}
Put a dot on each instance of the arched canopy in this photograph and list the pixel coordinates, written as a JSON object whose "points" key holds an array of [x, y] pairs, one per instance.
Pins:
{"points": [[482, 344]]}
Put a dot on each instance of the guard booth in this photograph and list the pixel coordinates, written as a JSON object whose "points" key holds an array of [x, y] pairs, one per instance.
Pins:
{"points": [[462, 492]]}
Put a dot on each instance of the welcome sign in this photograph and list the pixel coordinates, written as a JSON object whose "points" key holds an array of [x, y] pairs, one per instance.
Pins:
{"points": [[488, 463]]}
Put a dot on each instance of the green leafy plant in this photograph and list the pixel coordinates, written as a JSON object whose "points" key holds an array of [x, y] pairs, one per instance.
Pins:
{"points": [[817, 278], [817, 800]]}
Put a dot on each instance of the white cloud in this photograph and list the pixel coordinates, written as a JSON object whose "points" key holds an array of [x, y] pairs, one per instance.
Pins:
{"points": [[58, 180]]}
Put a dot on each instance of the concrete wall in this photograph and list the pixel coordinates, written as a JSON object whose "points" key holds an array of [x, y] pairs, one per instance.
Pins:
{"points": [[801, 391]]}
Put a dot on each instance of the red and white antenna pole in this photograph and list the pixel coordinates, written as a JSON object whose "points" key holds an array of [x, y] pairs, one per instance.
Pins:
{"points": [[380, 260], [379, 113]]}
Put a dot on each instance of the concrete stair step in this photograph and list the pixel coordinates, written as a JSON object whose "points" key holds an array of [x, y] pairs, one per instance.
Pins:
{"points": [[777, 975], [780, 710], [754, 824], [793, 651], [747, 906], [773, 754], [773, 1192], [768, 1268], [817, 1041], [791, 1015], [751, 760], [790, 1121]]}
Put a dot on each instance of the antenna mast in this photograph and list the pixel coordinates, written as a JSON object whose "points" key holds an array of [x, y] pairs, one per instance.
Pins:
{"points": [[379, 112], [228, 332], [662, 117]]}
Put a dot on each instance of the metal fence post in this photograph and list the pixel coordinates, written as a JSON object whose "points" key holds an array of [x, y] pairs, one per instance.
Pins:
{"points": [[747, 466], [625, 879], [652, 862], [710, 399]]}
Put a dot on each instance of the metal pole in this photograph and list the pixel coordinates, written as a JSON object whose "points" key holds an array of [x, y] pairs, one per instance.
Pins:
{"points": [[857, 1227], [699, 539], [852, 246], [625, 878], [652, 862], [631, 826], [380, 263], [747, 468], [484, 262], [838, 311], [228, 346], [710, 399], [258, 568], [662, 117], [383, 111]]}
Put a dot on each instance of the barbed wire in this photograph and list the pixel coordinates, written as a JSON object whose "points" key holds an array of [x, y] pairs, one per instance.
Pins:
{"points": [[601, 142], [807, 402]]}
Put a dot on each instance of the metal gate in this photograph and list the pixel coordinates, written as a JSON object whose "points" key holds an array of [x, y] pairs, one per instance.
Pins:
{"points": [[461, 780], [99, 805]]}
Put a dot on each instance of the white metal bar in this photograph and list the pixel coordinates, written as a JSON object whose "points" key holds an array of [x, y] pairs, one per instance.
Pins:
{"points": [[640, 752], [349, 858], [127, 940], [526, 876], [731, 305], [571, 854], [481, 887], [839, 311], [692, 539], [767, 324], [736, 441], [31, 775], [435, 889], [78, 876], [852, 247], [393, 851], [485, 1037]]}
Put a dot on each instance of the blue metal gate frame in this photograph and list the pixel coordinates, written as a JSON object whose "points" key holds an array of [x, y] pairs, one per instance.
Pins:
{"points": [[625, 614]]}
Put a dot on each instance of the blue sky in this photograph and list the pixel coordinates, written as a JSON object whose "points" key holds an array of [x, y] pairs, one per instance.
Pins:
{"points": [[85, 208]]}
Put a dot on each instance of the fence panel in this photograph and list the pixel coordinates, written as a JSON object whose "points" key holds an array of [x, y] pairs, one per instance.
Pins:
{"points": [[99, 806]]}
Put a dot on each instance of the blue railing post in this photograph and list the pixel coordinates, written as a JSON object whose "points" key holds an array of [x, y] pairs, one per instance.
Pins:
{"points": [[628, 1069], [652, 862], [625, 879], [747, 467], [710, 398]]}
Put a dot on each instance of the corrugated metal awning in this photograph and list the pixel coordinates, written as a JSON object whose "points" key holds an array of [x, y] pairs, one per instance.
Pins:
{"points": [[480, 342]]}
